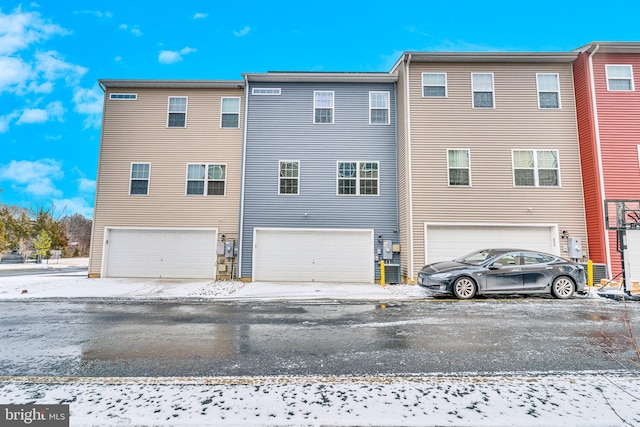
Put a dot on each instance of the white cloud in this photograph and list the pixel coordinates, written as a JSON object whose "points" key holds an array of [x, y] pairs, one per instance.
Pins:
{"points": [[243, 32], [86, 185], [34, 178], [74, 205], [53, 66], [14, 73], [136, 32], [6, 120], [38, 115], [200, 15], [89, 102], [118, 58], [171, 56], [20, 29], [96, 13]]}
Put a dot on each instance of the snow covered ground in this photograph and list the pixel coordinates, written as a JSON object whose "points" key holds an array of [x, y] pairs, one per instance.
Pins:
{"points": [[609, 398]]}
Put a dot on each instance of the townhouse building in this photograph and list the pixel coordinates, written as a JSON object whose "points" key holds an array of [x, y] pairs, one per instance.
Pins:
{"points": [[168, 185], [488, 155], [606, 76], [319, 196]]}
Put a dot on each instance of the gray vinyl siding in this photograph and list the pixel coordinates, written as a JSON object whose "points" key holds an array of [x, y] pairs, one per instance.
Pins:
{"points": [[516, 122], [137, 132], [281, 128]]}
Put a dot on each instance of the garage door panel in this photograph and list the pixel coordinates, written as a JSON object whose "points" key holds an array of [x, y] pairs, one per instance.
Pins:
{"points": [[313, 255], [632, 255], [161, 253], [446, 242]]}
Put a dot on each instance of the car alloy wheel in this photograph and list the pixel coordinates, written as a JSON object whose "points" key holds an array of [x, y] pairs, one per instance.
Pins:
{"points": [[464, 288], [562, 287]]}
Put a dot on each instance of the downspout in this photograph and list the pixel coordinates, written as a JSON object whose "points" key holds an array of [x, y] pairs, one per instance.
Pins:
{"points": [[599, 151], [409, 173], [242, 176]]}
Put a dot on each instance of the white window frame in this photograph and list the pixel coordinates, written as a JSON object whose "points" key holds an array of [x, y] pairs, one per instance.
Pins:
{"points": [[446, 89], [493, 91], [266, 91], [468, 168], [536, 168], [332, 108], [280, 178], [548, 91], [206, 180], [387, 108], [357, 178], [131, 178], [606, 68], [223, 113], [123, 96], [186, 108]]}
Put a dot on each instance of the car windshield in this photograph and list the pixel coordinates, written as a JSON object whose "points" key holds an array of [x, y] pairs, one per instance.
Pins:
{"points": [[477, 258]]}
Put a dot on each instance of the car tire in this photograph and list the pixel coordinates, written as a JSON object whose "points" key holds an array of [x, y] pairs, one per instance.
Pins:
{"points": [[464, 288], [563, 287]]}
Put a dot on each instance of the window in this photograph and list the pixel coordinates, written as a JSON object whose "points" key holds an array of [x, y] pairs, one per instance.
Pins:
{"points": [[619, 77], [206, 180], [548, 90], [379, 108], [532, 258], [509, 260], [434, 85], [123, 96], [322, 107], [536, 168], [140, 178], [265, 91], [459, 167], [358, 178], [482, 87], [289, 177], [177, 112], [230, 113]]}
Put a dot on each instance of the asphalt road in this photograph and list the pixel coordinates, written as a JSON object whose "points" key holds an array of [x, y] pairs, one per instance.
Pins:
{"points": [[214, 339]]}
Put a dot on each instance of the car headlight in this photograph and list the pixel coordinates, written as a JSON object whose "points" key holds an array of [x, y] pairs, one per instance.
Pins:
{"points": [[439, 276]]}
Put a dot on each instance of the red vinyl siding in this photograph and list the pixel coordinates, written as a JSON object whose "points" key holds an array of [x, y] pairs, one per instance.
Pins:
{"points": [[619, 126], [589, 159]]}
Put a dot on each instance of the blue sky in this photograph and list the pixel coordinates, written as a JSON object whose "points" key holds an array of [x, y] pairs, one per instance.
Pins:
{"points": [[52, 54]]}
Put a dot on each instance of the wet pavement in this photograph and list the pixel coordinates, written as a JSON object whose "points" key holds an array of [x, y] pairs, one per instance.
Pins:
{"points": [[132, 339]]}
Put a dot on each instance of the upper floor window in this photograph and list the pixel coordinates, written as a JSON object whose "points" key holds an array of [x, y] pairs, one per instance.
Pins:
{"points": [[619, 77], [536, 168], [548, 90], [230, 113], [459, 167], [123, 96], [434, 85], [379, 108], [323, 107], [140, 173], [358, 178], [206, 179], [177, 112], [482, 87], [265, 91], [289, 177]]}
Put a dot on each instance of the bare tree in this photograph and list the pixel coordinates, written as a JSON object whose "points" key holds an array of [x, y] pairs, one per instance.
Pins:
{"points": [[79, 233]]}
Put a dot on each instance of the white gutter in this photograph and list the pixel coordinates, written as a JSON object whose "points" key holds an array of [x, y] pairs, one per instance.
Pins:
{"points": [[242, 178], [409, 174], [599, 150]]}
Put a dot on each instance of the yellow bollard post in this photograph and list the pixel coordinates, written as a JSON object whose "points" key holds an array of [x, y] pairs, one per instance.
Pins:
{"points": [[382, 273], [590, 273]]}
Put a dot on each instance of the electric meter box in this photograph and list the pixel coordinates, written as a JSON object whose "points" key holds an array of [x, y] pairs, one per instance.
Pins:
{"points": [[387, 249], [575, 247], [228, 248]]}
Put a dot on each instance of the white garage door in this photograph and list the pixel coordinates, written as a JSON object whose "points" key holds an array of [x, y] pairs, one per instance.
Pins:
{"points": [[446, 242], [632, 256], [162, 253], [319, 255]]}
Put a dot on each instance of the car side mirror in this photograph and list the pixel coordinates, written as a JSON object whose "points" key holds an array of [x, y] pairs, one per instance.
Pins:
{"points": [[495, 266]]}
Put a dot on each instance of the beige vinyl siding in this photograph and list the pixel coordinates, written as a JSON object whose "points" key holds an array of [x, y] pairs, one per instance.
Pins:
{"points": [[137, 132], [438, 124]]}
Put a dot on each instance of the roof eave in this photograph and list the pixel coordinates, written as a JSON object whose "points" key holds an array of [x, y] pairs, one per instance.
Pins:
{"points": [[302, 77], [523, 57], [172, 84]]}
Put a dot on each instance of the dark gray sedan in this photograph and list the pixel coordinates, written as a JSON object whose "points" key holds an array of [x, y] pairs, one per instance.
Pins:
{"points": [[504, 271]]}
